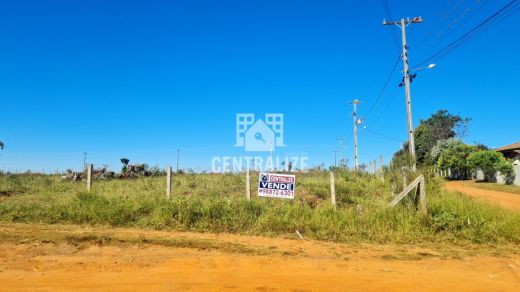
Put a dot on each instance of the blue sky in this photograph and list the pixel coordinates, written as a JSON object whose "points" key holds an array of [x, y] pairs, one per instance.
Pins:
{"points": [[141, 79]]}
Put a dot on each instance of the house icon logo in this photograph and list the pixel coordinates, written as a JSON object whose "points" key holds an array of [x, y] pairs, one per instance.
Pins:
{"points": [[259, 135]]}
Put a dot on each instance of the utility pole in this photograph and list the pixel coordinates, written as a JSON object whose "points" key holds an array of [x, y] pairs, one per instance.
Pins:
{"points": [[356, 123], [178, 152], [406, 79], [340, 151], [335, 151], [85, 160]]}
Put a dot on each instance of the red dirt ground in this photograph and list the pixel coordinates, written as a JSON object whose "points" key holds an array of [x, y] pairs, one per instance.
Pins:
{"points": [[281, 264], [503, 199]]}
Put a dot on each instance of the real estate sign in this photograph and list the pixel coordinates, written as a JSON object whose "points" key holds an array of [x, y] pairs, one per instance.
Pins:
{"points": [[276, 185]]}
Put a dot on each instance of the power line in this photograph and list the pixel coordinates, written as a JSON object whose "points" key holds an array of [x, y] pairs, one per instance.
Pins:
{"points": [[382, 135], [385, 106], [384, 86], [453, 25], [388, 14], [470, 14], [501, 13]]}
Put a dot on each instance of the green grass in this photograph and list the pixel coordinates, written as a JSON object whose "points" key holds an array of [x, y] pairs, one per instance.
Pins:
{"points": [[216, 203], [493, 186]]}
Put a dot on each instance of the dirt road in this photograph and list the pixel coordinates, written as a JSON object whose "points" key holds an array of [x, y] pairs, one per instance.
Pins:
{"points": [[54, 257], [506, 200]]}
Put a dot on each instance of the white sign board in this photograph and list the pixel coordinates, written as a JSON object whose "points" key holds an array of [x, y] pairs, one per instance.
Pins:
{"points": [[276, 185]]}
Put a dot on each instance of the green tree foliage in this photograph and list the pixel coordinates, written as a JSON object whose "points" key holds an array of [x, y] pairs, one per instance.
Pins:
{"points": [[440, 126], [400, 161], [125, 162], [436, 151], [455, 158], [1, 145], [491, 163], [481, 146]]}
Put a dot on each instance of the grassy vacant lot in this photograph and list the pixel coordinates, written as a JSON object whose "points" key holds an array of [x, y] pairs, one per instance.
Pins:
{"points": [[492, 186], [216, 203]]}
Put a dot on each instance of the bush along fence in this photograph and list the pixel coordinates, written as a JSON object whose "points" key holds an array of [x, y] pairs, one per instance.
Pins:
{"points": [[499, 178]]}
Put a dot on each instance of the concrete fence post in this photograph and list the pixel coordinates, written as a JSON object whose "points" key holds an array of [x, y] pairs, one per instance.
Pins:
{"points": [[248, 185], [168, 182], [332, 190], [89, 177]]}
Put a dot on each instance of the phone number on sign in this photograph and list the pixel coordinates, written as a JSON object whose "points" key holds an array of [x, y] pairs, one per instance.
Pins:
{"points": [[276, 192]]}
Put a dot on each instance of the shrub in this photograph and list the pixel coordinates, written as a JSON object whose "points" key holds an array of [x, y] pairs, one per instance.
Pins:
{"points": [[491, 163], [455, 158]]}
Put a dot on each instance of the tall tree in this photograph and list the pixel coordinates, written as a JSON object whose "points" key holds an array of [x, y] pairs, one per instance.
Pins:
{"points": [[125, 162], [440, 126]]}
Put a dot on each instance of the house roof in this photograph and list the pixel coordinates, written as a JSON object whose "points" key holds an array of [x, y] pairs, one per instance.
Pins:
{"points": [[514, 146]]}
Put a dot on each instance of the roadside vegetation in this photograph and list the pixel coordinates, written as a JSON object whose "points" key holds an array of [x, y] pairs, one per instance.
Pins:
{"points": [[216, 203], [439, 146]]}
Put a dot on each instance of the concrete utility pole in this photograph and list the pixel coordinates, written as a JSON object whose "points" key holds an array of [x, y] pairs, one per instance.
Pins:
{"points": [[332, 190], [85, 160], [403, 24], [340, 151], [335, 164], [178, 152], [356, 123]]}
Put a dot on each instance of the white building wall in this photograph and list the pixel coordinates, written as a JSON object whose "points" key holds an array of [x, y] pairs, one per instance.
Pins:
{"points": [[480, 175], [516, 169]]}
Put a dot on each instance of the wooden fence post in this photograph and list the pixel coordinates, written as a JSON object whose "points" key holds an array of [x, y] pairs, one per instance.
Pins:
{"points": [[248, 185], [168, 182], [332, 190], [89, 177], [420, 194]]}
